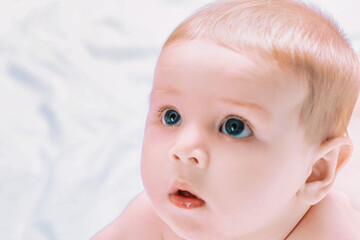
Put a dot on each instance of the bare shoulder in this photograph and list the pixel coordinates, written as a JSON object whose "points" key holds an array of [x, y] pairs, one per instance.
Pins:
{"points": [[138, 221], [333, 218]]}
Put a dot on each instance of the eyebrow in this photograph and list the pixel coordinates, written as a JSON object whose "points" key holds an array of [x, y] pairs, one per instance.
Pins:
{"points": [[165, 91], [262, 112]]}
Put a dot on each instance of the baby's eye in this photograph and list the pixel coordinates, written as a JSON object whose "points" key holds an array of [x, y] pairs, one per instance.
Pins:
{"points": [[236, 127], [171, 118]]}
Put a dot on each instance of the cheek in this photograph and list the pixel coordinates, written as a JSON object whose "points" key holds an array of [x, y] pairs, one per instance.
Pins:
{"points": [[252, 182], [235, 175], [249, 174], [153, 158]]}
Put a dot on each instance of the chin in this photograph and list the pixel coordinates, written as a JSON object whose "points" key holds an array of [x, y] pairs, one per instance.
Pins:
{"points": [[190, 232], [197, 235]]}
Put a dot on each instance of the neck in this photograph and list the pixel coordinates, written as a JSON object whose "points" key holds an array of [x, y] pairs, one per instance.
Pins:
{"points": [[285, 226]]}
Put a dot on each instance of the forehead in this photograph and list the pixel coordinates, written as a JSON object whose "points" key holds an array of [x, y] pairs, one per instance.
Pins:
{"points": [[200, 67], [200, 56]]}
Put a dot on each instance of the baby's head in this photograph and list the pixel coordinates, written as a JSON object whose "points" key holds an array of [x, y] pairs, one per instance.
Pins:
{"points": [[247, 122]]}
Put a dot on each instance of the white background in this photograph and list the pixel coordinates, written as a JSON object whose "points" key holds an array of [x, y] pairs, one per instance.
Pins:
{"points": [[75, 78]]}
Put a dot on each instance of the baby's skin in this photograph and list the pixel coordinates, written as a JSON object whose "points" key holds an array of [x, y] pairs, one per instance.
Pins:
{"points": [[224, 156], [331, 219]]}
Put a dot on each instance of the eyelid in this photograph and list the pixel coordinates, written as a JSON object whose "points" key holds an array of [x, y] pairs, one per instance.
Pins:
{"points": [[241, 118], [163, 108]]}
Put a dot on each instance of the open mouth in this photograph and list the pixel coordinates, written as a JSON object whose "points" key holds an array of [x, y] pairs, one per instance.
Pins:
{"points": [[185, 199], [186, 194]]}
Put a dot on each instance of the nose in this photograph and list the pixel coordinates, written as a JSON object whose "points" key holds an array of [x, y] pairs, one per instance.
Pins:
{"points": [[190, 148]]}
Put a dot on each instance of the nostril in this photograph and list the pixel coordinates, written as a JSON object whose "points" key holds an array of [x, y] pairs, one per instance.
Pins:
{"points": [[176, 157], [194, 159]]}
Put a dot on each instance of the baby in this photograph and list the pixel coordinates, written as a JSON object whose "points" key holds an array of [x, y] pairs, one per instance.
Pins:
{"points": [[246, 130]]}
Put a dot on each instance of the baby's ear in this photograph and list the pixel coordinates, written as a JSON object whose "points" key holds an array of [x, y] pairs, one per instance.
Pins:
{"points": [[329, 158]]}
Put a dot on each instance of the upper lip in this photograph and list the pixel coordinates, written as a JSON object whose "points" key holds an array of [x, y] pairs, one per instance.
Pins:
{"points": [[183, 186]]}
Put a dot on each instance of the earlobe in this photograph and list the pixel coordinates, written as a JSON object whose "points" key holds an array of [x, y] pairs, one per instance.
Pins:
{"points": [[330, 157]]}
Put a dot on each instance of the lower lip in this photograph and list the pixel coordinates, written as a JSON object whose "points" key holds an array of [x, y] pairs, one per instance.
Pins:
{"points": [[186, 202]]}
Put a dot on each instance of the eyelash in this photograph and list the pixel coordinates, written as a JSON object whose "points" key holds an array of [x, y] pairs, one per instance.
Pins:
{"points": [[162, 109], [239, 117]]}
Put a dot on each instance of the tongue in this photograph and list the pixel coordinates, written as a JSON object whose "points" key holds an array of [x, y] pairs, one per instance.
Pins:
{"points": [[186, 194]]}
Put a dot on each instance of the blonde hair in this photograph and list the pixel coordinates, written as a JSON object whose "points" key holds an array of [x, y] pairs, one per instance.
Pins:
{"points": [[298, 38]]}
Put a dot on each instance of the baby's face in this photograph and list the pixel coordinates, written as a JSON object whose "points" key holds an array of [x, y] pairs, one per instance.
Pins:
{"points": [[225, 130]]}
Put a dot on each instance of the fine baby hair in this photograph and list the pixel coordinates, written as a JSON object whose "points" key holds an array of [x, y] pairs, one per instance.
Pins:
{"points": [[296, 38]]}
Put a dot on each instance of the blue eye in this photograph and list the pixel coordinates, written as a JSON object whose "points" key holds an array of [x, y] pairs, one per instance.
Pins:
{"points": [[171, 118], [235, 127]]}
